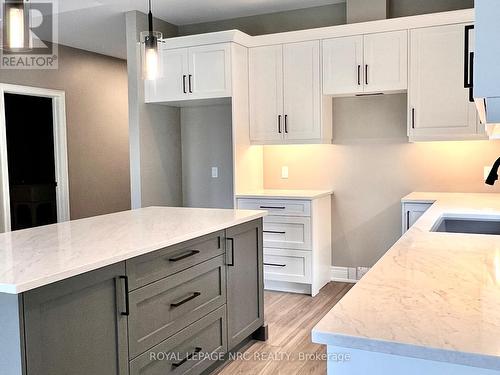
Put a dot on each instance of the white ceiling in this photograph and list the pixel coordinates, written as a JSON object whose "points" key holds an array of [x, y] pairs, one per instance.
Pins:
{"points": [[99, 25]]}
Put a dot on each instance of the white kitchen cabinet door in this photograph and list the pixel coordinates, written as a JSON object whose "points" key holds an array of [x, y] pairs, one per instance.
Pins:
{"points": [[343, 65], [173, 83], [302, 91], [266, 94], [386, 62], [412, 212], [210, 71], [439, 107]]}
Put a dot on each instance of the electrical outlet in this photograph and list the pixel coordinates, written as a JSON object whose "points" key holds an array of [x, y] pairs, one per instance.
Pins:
{"points": [[284, 172], [215, 172], [487, 171]]}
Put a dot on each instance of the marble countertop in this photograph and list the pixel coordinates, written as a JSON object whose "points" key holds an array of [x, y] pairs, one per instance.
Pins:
{"points": [[434, 296], [287, 194], [35, 257]]}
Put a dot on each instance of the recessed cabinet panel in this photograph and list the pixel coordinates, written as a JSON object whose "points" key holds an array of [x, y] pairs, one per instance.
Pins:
{"points": [[439, 106], [266, 93], [343, 65], [302, 92], [210, 71], [386, 62]]}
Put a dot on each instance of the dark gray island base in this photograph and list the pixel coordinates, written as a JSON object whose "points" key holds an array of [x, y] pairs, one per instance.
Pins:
{"points": [[176, 310]]}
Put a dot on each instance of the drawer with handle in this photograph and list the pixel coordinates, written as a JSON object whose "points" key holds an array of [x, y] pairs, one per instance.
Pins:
{"points": [[281, 207], [191, 351], [287, 232], [288, 265], [152, 267], [159, 310]]}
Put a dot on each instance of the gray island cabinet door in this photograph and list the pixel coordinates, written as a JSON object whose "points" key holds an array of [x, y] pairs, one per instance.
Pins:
{"points": [[76, 326], [245, 298]]}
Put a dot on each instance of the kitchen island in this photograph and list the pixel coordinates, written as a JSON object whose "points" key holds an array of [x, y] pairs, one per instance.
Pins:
{"points": [[431, 305], [149, 291]]}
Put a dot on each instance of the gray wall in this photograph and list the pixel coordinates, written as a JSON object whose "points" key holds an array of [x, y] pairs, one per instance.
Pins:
{"points": [[308, 18], [154, 130], [97, 127], [328, 15], [206, 143]]}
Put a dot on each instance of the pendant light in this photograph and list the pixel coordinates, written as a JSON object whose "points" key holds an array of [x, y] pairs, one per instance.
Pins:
{"points": [[150, 54], [16, 25]]}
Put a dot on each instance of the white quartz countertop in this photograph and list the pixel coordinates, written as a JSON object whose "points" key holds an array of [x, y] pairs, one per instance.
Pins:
{"points": [[433, 295], [35, 257], [285, 194]]}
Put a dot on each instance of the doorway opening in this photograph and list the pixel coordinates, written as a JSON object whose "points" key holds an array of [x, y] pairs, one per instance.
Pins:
{"points": [[33, 157]]}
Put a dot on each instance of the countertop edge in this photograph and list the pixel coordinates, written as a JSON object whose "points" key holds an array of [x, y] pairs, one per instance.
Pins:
{"points": [[37, 283], [406, 350], [283, 196]]}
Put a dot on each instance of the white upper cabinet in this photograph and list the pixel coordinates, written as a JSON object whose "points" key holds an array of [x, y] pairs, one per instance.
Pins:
{"points": [[343, 65], [285, 95], [439, 105], [194, 73], [302, 91], [386, 62], [210, 71], [365, 64], [173, 84], [266, 93]]}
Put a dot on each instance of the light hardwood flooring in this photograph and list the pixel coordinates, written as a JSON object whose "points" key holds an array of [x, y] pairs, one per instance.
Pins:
{"points": [[291, 318]]}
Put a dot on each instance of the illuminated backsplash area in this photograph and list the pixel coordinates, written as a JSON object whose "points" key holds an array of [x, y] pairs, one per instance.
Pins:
{"points": [[370, 167]]}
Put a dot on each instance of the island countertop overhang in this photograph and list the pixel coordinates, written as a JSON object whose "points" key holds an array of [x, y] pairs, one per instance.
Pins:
{"points": [[39, 256]]}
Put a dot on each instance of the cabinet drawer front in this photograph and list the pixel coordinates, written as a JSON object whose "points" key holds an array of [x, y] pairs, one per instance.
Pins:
{"points": [[200, 342], [288, 265], [287, 232], [277, 207], [165, 262], [159, 310]]}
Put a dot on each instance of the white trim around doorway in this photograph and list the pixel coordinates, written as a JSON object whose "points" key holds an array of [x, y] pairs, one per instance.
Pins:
{"points": [[60, 151]]}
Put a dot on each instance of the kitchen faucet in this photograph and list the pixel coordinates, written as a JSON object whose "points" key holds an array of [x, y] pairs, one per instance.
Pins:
{"points": [[493, 176]]}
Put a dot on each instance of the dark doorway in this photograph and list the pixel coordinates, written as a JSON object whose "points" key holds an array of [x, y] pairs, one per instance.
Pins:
{"points": [[31, 160]]}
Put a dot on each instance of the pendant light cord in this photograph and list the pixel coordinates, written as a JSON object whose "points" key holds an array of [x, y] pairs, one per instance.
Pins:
{"points": [[150, 19]]}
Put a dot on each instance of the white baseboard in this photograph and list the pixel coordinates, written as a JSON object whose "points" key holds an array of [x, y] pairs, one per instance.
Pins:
{"points": [[348, 274]]}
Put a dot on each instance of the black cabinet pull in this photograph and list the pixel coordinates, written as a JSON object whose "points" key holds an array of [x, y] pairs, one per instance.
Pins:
{"points": [[127, 299], [407, 220], [279, 124], [232, 252], [359, 75], [467, 62], [286, 124], [272, 208], [366, 74], [185, 300], [184, 84], [471, 77], [190, 83], [273, 232], [275, 265], [182, 256], [413, 118], [188, 357]]}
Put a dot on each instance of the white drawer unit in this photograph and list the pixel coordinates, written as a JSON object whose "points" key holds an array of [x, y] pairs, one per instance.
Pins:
{"points": [[278, 207], [288, 265], [412, 211], [287, 232], [297, 238]]}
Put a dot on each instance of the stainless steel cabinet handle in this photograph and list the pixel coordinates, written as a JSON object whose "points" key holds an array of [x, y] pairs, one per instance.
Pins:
{"points": [[279, 124], [286, 124], [184, 84], [190, 83]]}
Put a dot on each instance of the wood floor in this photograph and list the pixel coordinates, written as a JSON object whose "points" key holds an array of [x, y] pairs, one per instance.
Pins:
{"points": [[290, 318]]}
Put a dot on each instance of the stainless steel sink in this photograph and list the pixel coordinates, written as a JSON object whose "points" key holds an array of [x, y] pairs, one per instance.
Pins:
{"points": [[468, 225]]}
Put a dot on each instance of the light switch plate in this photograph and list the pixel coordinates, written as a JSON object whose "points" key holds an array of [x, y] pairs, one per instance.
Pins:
{"points": [[215, 172], [284, 172]]}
